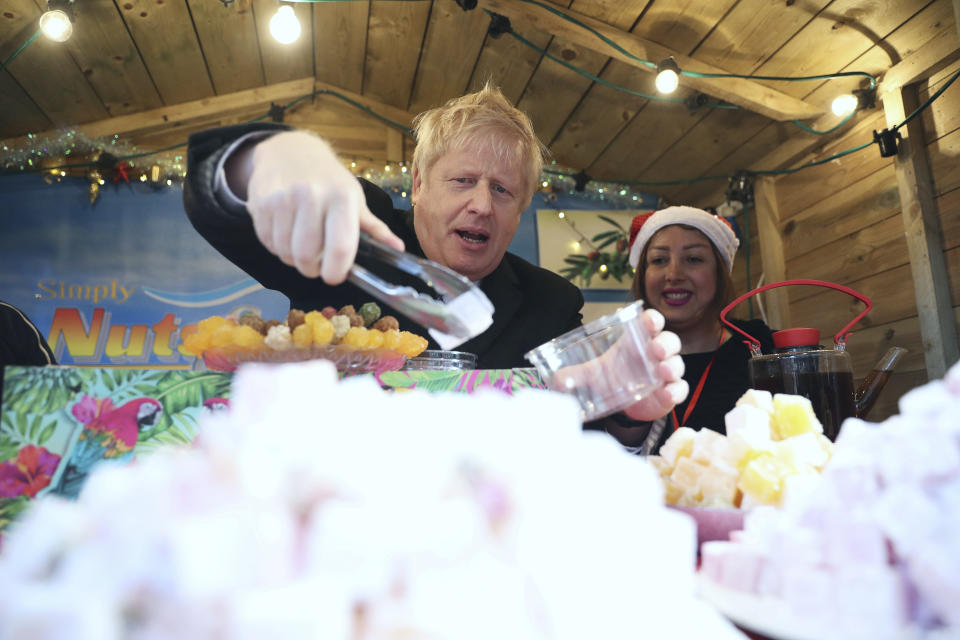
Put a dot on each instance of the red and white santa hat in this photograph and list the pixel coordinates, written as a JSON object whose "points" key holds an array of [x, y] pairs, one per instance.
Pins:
{"points": [[716, 228]]}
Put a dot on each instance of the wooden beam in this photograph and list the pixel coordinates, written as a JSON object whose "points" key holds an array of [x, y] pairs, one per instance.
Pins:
{"points": [[213, 108], [771, 251], [394, 145], [921, 222], [956, 15], [746, 93], [934, 55]]}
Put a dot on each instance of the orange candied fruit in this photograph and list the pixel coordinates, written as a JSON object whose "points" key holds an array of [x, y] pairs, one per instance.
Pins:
{"points": [[411, 345], [356, 337], [197, 343]]}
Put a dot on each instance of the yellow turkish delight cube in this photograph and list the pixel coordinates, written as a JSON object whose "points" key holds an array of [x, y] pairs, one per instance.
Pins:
{"points": [[686, 475], [793, 415], [678, 445], [762, 479]]}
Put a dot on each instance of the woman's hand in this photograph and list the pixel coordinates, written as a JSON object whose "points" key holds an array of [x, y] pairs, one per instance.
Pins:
{"points": [[664, 352], [617, 370], [307, 208]]}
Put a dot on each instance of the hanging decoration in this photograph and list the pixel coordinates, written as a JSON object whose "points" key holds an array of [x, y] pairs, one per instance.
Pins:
{"points": [[612, 263], [95, 179]]}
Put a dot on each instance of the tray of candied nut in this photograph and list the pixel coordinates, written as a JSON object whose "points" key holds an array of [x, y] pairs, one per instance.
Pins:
{"points": [[355, 341]]}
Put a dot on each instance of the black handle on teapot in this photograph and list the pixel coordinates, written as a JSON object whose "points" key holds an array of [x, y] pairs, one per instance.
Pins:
{"points": [[839, 339]]}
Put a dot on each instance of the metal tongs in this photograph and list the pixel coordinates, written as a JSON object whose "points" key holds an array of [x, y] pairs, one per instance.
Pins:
{"points": [[463, 312]]}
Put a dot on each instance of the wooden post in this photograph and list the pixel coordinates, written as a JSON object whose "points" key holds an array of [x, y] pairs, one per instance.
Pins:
{"points": [[771, 251], [394, 145], [921, 222]]}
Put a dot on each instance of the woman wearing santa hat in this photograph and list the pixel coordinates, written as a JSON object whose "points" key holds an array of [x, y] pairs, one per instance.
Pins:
{"points": [[683, 259]]}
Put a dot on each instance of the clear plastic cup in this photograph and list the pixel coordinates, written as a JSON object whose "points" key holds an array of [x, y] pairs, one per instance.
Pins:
{"points": [[604, 364]]}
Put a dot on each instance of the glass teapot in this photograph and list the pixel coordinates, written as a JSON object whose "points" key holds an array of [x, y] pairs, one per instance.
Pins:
{"points": [[801, 366]]}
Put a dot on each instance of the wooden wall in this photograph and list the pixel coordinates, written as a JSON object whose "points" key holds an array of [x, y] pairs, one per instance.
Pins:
{"points": [[841, 222]]}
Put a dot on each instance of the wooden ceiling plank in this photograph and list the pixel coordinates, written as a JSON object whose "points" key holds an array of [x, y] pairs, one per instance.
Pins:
{"points": [[554, 90], [167, 43], [790, 146], [622, 14], [902, 44], [70, 98], [282, 62], [19, 113], [109, 59], [624, 154], [592, 127], [682, 23], [837, 36], [340, 37], [453, 43], [600, 117], [940, 51], [746, 93], [227, 36], [508, 63], [167, 116], [342, 110], [394, 43], [754, 30]]}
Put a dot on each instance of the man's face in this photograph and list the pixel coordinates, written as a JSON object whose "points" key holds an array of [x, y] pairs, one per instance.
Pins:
{"points": [[468, 206]]}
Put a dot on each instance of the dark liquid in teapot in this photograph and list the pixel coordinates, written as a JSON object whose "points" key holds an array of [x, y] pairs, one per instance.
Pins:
{"points": [[830, 393]]}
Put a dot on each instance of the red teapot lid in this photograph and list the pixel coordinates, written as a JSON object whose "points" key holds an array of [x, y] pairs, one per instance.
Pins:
{"points": [[799, 337]]}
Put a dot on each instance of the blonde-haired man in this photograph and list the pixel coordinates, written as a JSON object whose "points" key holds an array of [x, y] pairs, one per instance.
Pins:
{"points": [[280, 205]]}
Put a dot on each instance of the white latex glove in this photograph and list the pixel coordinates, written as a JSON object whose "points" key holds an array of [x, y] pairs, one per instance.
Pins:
{"points": [[307, 208]]}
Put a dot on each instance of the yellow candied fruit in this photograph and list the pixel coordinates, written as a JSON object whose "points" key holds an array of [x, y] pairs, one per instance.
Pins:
{"points": [[313, 316], [211, 324], [303, 335], [321, 327], [375, 338], [222, 336], [411, 345], [391, 339], [248, 337], [762, 479], [793, 415], [197, 343], [355, 337]]}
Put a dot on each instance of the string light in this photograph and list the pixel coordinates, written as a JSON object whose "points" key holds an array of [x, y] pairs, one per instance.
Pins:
{"points": [[561, 215], [284, 26], [55, 23], [575, 245], [668, 75], [844, 104]]}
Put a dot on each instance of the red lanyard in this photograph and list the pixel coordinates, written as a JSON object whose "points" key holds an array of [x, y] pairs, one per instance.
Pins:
{"points": [[696, 392]]}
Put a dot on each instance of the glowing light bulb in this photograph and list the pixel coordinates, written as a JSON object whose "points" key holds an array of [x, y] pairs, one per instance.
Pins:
{"points": [[403, 194], [561, 215], [284, 26], [545, 184], [575, 245], [403, 169], [603, 268], [143, 177], [844, 105], [353, 165], [56, 25], [668, 76]]}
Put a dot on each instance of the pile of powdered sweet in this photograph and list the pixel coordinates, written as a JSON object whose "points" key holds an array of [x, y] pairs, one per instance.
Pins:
{"points": [[873, 551], [322, 509]]}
